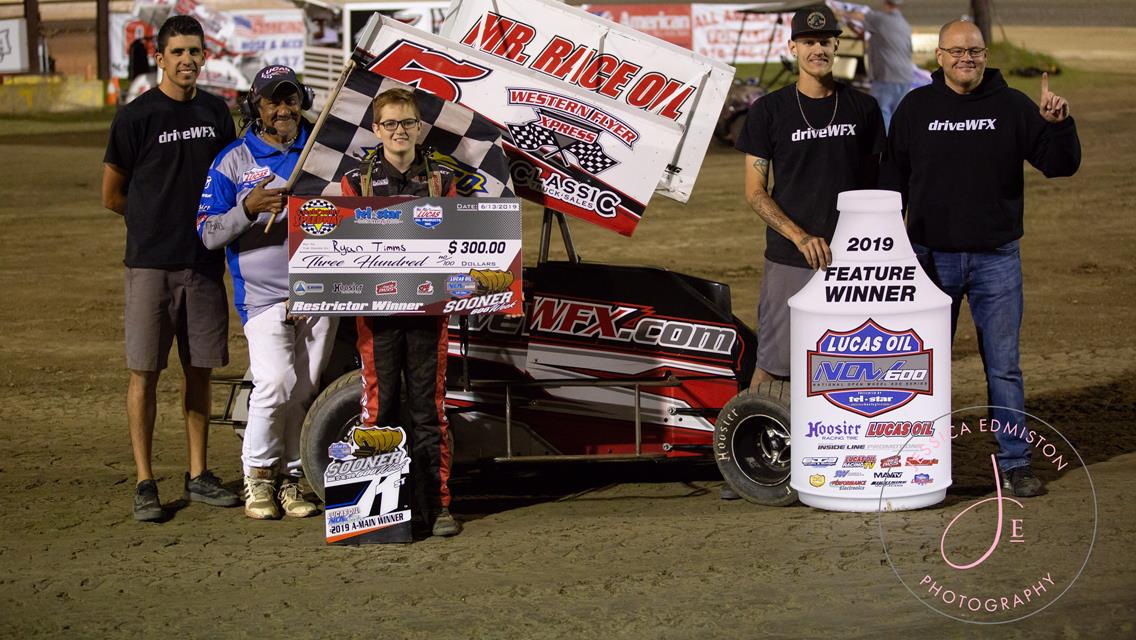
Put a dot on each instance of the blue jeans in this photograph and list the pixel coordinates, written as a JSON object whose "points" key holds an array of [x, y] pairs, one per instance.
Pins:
{"points": [[888, 94], [992, 283]]}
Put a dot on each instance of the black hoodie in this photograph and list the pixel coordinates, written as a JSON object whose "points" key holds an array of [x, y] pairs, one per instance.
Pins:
{"points": [[957, 160]]}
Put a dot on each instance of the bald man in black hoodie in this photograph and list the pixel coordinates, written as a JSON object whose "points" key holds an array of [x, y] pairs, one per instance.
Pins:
{"points": [[955, 152]]}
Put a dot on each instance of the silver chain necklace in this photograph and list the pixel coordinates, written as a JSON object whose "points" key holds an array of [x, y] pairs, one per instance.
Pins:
{"points": [[836, 106]]}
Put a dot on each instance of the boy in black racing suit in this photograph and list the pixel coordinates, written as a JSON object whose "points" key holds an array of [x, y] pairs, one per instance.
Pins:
{"points": [[414, 346]]}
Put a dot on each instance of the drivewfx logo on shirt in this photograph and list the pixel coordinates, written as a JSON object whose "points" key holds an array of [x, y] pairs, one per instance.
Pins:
{"points": [[974, 124], [831, 131], [192, 133]]}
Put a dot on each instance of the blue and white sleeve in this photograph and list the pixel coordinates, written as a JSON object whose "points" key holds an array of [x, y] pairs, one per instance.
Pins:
{"points": [[220, 215]]}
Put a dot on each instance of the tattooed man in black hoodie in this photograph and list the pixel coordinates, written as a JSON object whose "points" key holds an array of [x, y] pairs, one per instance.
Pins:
{"points": [[955, 151]]}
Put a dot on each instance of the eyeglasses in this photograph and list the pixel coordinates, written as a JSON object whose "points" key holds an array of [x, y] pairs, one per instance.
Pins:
{"points": [[958, 52], [393, 125]]}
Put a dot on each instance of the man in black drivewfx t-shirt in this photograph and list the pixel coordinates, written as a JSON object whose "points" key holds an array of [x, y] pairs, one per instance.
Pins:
{"points": [[819, 137], [157, 158]]}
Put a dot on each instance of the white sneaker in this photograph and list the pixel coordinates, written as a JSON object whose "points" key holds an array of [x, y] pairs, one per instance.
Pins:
{"points": [[293, 500], [260, 498]]}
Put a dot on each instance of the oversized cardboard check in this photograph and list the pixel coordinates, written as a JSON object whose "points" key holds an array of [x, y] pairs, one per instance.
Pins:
{"points": [[404, 256]]}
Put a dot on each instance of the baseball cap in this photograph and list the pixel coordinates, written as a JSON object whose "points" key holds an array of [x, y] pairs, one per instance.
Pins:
{"points": [[269, 79], [816, 20]]}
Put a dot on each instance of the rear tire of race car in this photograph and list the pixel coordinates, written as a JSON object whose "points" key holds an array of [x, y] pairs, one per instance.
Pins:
{"points": [[330, 418], [751, 444]]}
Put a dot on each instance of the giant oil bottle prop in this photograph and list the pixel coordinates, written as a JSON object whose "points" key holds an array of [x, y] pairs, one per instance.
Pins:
{"points": [[871, 369]]}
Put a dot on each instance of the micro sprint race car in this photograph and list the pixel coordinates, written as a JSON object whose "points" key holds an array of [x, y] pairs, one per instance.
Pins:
{"points": [[610, 363]]}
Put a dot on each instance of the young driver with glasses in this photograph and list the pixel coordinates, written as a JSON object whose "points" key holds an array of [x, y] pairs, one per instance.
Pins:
{"points": [[412, 347]]}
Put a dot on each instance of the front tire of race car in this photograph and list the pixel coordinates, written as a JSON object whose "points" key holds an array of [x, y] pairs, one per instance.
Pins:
{"points": [[329, 419], [751, 444]]}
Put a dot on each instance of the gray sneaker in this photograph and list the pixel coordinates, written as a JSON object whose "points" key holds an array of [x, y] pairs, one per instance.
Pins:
{"points": [[147, 507], [445, 525], [207, 488]]}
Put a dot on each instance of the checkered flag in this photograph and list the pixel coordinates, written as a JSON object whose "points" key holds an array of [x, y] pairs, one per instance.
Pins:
{"points": [[591, 157], [450, 129], [531, 136]]}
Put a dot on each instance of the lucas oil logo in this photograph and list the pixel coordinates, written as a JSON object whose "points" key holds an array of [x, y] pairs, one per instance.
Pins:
{"points": [[254, 175], [461, 285], [859, 462], [870, 370], [427, 216], [272, 72]]}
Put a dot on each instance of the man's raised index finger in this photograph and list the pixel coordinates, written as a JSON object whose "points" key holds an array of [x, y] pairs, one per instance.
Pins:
{"points": [[1044, 84]]}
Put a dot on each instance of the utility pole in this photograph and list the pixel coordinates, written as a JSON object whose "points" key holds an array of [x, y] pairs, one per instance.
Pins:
{"points": [[102, 38], [983, 12], [31, 18]]}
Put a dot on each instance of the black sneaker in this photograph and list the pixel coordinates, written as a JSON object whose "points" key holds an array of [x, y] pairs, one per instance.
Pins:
{"points": [[1022, 483], [207, 488], [445, 525], [147, 507]]}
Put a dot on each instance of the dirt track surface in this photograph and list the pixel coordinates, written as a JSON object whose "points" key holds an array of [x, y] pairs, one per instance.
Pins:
{"points": [[641, 551]]}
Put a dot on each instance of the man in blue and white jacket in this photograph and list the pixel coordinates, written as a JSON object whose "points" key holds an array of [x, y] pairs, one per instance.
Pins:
{"points": [[286, 353]]}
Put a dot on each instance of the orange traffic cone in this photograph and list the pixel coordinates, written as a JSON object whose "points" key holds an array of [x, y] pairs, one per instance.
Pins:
{"points": [[112, 93]]}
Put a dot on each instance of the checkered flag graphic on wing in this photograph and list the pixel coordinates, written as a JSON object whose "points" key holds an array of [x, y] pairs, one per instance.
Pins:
{"points": [[591, 156], [448, 128], [531, 136]]}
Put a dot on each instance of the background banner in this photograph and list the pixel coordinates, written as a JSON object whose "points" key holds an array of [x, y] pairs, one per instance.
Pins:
{"points": [[670, 22], [718, 32], [267, 37]]}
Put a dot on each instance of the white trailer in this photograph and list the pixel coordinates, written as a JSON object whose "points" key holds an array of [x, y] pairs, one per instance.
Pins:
{"points": [[333, 31]]}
